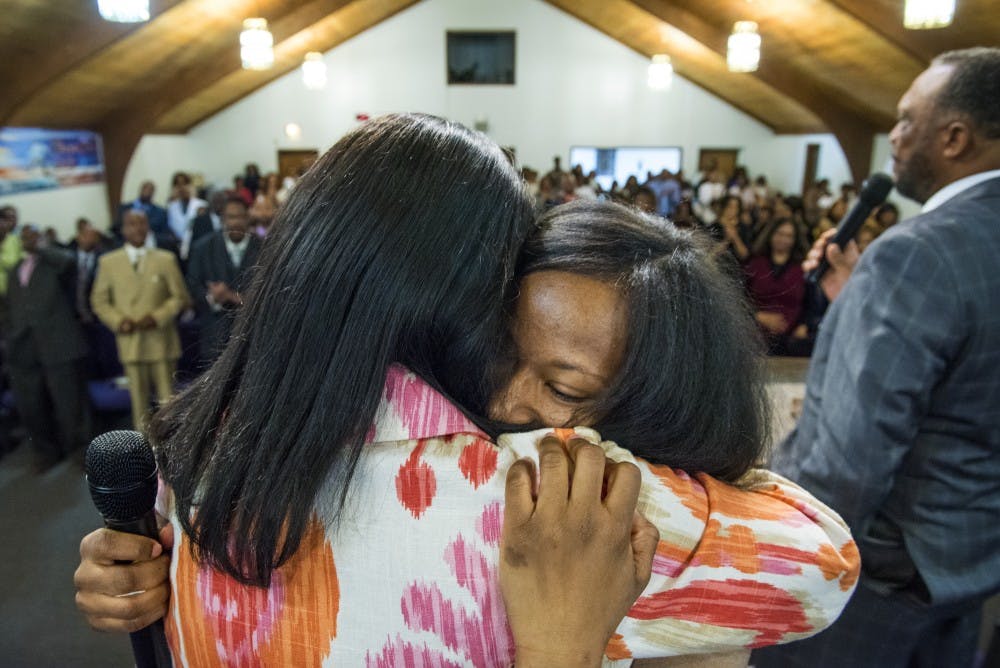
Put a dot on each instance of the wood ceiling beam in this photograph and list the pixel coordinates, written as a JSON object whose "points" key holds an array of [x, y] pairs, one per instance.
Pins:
{"points": [[975, 22], [646, 34], [338, 27], [853, 125], [887, 22], [124, 128], [65, 42]]}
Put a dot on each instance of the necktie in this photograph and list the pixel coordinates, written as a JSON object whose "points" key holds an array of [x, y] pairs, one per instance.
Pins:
{"points": [[82, 274], [27, 268]]}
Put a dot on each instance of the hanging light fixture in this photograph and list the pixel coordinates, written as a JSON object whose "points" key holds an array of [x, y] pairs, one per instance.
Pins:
{"points": [[256, 45], [925, 14], [314, 71], [124, 11], [743, 54], [661, 72]]}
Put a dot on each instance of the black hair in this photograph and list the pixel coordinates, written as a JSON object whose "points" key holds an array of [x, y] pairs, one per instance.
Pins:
{"points": [[762, 246], [973, 87], [689, 393], [888, 206], [365, 266], [645, 190], [233, 199], [725, 199]]}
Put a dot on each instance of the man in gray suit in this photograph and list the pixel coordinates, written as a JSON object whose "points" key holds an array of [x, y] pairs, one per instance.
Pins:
{"points": [[900, 430], [46, 349]]}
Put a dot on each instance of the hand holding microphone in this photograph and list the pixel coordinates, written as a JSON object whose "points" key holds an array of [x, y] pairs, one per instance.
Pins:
{"points": [[833, 256], [121, 472], [113, 567]]}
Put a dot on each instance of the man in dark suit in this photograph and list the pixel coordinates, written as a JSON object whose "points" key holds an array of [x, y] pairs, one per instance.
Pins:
{"points": [[205, 223], [45, 348], [220, 269], [87, 247], [156, 215], [900, 429]]}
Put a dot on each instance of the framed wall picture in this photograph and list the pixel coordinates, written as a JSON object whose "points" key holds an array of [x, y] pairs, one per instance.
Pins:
{"points": [[480, 57]]}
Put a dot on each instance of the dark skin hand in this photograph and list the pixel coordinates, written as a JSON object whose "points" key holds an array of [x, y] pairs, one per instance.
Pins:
{"points": [[222, 294], [121, 583], [127, 326], [147, 322], [572, 562]]}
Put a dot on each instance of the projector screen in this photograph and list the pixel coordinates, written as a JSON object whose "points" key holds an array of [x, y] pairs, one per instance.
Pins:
{"points": [[617, 163]]}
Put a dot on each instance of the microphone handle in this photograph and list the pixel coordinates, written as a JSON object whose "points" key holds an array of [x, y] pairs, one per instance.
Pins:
{"points": [[817, 273], [149, 645], [846, 231]]}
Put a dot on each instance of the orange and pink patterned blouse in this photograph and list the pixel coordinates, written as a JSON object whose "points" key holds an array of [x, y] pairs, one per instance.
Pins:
{"points": [[409, 575]]}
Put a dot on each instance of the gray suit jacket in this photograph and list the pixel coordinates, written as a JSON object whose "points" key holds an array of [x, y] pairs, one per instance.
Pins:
{"points": [[900, 431], [41, 322]]}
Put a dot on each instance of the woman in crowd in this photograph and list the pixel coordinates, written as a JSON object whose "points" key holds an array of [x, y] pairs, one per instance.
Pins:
{"points": [[251, 178], [777, 285], [329, 429], [684, 217], [732, 228], [830, 218], [886, 216]]}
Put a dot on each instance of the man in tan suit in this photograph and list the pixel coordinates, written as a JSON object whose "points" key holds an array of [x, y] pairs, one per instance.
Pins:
{"points": [[138, 293]]}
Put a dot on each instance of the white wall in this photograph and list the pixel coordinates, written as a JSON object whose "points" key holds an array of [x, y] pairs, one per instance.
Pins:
{"points": [[788, 161], [156, 159], [61, 207], [574, 86], [882, 162]]}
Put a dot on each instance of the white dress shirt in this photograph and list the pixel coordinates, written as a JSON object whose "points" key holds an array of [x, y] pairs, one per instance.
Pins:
{"points": [[956, 187]]}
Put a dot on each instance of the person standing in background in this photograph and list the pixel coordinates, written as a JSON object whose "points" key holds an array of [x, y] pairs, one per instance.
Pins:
{"points": [[181, 212], [156, 215], [87, 247], [138, 293], [219, 271], [10, 245], [45, 348]]}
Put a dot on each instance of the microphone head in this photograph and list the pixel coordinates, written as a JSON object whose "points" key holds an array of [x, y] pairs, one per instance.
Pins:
{"points": [[875, 189], [121, 472]]}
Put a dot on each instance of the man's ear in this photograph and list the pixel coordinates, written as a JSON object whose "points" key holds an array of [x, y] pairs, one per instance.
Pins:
{"points": [[958, 139]]}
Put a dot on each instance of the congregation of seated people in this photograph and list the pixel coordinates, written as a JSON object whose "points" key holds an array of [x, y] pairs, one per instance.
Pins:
{"points": [[764, 232]]}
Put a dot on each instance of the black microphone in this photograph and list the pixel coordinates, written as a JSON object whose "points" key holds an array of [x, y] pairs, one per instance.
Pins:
{"points": [[121, 472], [873, 192]]}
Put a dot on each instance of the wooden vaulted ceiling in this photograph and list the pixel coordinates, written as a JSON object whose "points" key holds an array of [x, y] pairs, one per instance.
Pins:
{"points": [[826, 66]]}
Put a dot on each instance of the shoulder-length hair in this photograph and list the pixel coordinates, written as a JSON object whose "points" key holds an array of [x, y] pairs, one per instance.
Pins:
{"points": [[762, 246], [398, 245], [689, 393]]}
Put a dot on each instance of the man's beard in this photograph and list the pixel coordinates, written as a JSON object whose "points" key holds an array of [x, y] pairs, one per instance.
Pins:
{"points": [[915, 178]]}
